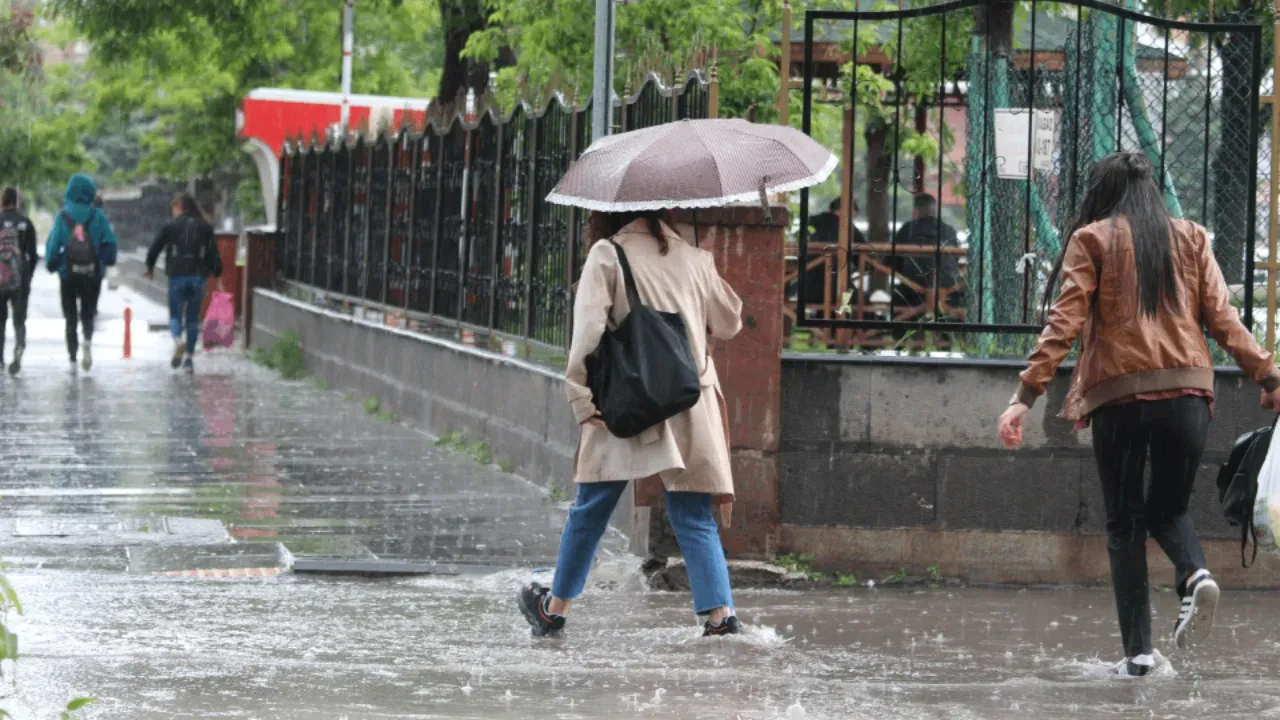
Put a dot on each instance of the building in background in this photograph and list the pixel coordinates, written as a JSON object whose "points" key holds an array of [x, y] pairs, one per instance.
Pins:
{"points": [[270, 115]]}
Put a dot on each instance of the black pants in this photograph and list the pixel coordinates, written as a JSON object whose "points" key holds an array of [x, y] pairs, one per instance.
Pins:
{"points": [[19, 302], [79, 306], [1174, 431]]}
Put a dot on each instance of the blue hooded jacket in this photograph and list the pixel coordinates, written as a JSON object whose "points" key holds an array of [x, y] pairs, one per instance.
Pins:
{"points": [[78, 203]]}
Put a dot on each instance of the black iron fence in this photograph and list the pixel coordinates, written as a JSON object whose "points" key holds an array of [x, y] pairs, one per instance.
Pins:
{"points": [[977, 123], [449, 225]]}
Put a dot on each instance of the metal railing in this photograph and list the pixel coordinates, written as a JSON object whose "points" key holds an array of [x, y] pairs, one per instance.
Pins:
{"points": [[448, 226]]}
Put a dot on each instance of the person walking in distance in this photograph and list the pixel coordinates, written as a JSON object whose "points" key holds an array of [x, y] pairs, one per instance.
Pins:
{"points": [[1139, 289], [689, 452], [191, 256], [18, 261], [80, 247]]}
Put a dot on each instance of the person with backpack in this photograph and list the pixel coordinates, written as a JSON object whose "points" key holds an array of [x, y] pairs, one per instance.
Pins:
{"points": [[18, 261], [191, 255], [1139, 289], [81, 246]]}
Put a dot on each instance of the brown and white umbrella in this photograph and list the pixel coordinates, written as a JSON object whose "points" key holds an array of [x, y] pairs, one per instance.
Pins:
{"points": [[692, 164]]}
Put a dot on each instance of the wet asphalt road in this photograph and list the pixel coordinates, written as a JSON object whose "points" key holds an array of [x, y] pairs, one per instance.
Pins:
{"points": [[146, 518]]}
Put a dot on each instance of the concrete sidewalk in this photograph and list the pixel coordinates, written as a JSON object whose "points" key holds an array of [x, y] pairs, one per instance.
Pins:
{"points": [[132, 455]]}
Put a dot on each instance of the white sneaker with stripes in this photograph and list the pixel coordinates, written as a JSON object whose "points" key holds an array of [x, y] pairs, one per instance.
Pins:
{"points": [[1195, 616]]}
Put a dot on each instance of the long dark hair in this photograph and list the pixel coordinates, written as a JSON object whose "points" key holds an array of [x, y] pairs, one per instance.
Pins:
{"points": [[1123, 185], [189, 205], [604, 225]]}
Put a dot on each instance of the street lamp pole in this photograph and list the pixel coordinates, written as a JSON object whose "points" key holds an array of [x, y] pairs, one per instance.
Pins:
{"points": [[602, 83], [348, 42]]}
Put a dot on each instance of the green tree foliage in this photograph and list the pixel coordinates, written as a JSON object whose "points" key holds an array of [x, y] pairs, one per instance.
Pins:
{"points": [[173, 74], [38, 146], [554, 43]]}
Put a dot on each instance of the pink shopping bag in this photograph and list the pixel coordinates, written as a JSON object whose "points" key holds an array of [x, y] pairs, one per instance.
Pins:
{"points": [[220, 321]]}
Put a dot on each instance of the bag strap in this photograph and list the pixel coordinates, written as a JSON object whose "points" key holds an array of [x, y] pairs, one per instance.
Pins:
{"points": [[72, 224], [633, 295], [1246, 531]]}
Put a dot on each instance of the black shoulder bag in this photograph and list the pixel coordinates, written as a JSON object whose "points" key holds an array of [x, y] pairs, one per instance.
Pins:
{"points": [[643, 372], [1238, 484]]}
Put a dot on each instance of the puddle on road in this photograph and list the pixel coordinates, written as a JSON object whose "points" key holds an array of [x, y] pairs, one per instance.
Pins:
{"points": [[455, 647]]}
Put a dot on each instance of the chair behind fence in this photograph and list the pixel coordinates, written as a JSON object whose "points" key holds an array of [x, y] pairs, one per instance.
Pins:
{"points": [[448, 226]]}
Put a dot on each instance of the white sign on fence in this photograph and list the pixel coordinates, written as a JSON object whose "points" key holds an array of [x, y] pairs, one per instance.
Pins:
{"points": [[1018, 135]]}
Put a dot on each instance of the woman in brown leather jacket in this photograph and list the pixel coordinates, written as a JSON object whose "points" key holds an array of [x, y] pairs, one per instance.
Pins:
{"points": [[1139, 289]]}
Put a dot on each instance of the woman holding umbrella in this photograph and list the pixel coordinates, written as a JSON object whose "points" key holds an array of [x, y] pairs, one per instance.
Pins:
{"points": [[627, 181]]}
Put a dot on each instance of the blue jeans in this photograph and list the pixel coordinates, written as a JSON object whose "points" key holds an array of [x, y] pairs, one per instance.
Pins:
{"points": [[695, 528], [188, 291]]}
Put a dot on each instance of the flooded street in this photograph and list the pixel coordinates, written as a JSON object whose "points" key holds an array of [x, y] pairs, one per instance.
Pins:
{"points": [[292, 647], [150, 520]]}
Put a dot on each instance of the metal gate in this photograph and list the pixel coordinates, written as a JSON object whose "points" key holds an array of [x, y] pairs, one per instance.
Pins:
{"points": [[971, 129]]}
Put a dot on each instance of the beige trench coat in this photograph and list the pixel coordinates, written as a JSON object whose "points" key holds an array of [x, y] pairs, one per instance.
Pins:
{"points": [[689, 452]]}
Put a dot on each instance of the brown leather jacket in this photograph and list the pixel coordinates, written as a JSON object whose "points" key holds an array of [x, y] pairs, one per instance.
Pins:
{"points": [[1123, 352]]}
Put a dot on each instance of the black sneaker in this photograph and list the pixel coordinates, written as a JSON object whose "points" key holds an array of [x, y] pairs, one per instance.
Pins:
{"points": [[1195, 616], [533, 599], [727, 626], [1135, 666], [15, 367]]}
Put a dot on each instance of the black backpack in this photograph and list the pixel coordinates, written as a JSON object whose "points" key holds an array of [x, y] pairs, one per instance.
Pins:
{"points": [[643, 372], [82, 254], [187, 252], [1238, 485]]}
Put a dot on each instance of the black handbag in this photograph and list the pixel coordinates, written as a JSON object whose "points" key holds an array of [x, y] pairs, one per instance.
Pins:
{"points": [[1238, 484], [643, 372]]}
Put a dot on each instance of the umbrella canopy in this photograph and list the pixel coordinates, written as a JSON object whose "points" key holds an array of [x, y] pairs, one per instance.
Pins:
{"points": [[692, 164]]}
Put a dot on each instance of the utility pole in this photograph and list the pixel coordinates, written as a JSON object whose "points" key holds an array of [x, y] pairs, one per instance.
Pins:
{"points": [[348, 41], [602, 84]]}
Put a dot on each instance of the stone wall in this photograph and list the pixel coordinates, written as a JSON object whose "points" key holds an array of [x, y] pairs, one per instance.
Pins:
{"points": [[518, 408], [892, 463]]}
